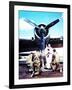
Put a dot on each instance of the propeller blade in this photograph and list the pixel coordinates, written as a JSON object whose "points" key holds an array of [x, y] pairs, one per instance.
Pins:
{"points": [[52, 23], [30, 22]]}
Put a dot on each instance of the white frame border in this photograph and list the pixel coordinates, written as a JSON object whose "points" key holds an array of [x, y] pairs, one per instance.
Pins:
{"points": [[18, 81]]}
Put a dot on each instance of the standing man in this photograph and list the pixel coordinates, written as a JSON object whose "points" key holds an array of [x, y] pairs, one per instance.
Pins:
{"points": [[55, 60], [49, 52]]}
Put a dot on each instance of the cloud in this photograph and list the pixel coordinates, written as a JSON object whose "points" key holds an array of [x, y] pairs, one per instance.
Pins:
{"points": [[24, 25]]}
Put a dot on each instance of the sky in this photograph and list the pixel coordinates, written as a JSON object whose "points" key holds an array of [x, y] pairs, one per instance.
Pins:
{"points": [[26, 30]]}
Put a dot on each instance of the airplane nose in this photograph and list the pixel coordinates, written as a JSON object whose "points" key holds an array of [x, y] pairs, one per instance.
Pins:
{"points": [[43, 31]]}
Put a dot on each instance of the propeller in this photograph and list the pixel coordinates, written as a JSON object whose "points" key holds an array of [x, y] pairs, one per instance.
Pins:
{"points": [[30, 22], [52, 23], [42, 28]]}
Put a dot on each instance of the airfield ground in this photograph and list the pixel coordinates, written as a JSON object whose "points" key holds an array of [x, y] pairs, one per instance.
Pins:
{"points": [[24, 74]]}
